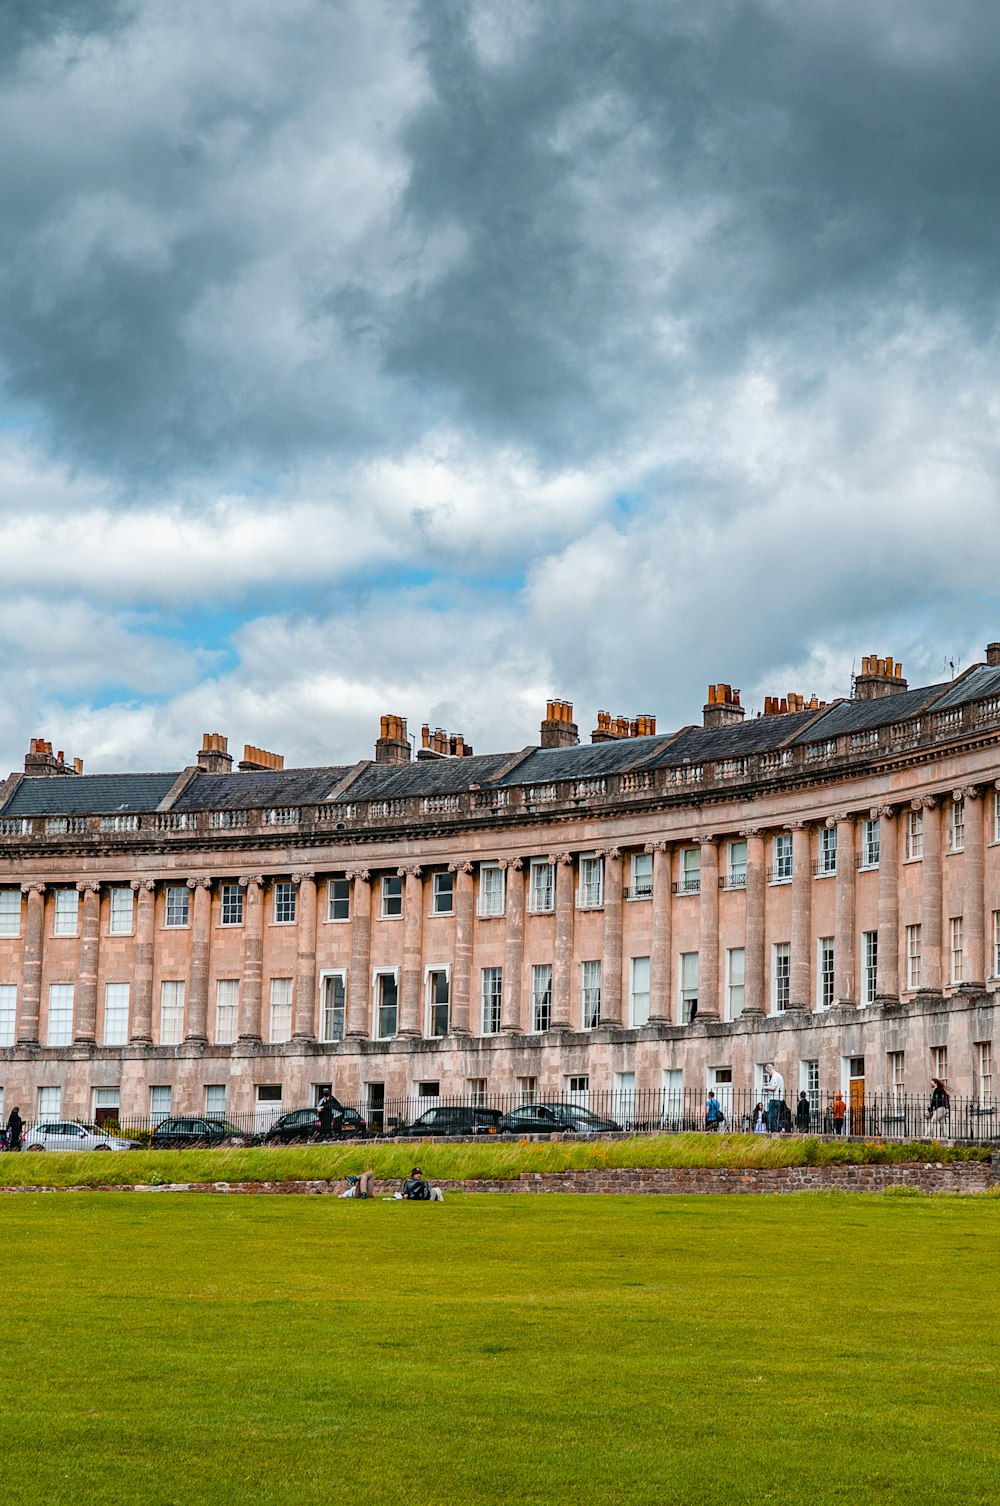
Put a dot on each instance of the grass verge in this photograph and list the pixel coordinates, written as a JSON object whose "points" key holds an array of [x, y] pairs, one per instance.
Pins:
{"points": [[484, 1161]]}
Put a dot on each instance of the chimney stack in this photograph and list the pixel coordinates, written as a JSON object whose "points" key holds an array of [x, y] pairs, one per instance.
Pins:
{"points": [[610, 728], [723, 707], [40, 760], [257, 761], [559, 729], [441, 744], [214, 757], [993, 654], [878, 678], [393, 745]]}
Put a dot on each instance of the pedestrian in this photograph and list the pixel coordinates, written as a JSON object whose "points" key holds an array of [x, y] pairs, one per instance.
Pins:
{"points": [[802, 1114], [759, 1120], [15, 1129], [714, 1117], [939, 1108], [838, 1113], [774, 1094], [325, 1109]]}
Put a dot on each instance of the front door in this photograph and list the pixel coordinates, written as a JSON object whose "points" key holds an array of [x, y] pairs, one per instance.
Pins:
{"points": [[856, 1105]]}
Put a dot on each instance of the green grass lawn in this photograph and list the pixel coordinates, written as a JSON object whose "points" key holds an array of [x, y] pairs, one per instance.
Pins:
{"points": [[813, 1350]]}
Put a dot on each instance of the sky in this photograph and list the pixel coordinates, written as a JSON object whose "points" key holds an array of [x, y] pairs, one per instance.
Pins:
{"points": [[440, 356]]}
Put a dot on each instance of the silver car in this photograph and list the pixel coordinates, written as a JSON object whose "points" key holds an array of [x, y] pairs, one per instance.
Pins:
{"points": [[75, 1134]]}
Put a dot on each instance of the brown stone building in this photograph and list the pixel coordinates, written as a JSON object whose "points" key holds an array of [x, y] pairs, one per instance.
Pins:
{"points": [[818, 885]]}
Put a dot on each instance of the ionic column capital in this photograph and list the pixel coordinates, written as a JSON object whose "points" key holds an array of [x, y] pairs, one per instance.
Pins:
{"points": [[33, 888], [364, 874], [412, 870], [842, 817], [92, 886], [464, 867], [514, 863], [966, 792], [665, 846], [751, 831], [923, 803], [560, 858], [251, 881], [201, 882], [882, 813]]}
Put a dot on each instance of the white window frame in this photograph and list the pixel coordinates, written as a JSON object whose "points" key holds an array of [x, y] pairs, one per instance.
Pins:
{"points": [[690, 879], [826, 972], [736, 978], [66, 912], [121, 910], [116, 1013], [541, 997], [956, 825], [914, 835], [215, 1100], [284, 903], [50, 1103], [996, 815], [8, 1013], [177, 906], [231, 905], [59, 1022], [590, 994], [590, 882], [161, 1102], [895, 1071], [227, 1010], [442, 890], [492, 891], [781, 976], [736, 864], [781, 858], [491, 999], [996, 943], [328, 1007], [956, 949], [984, 1073], [827, 865], [871, 844], [541, 887], [10, 912], [640, 876], [333, 900], [432, 971], [280, 1011], [869, 966], [172, 1002], [638, 991], [379, 974], [913, 957], [689, 982], [391, 896]]}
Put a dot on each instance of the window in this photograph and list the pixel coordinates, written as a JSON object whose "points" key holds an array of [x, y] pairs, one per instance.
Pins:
{"points": [[984, 1073], [915, 834], [232, 905], [8, 1013], [49, 1103], [160, 1103], [333, 1007], [60, 1031], [386, 1005], [116, 997], [281, 1010], [10, 912], [477, 1090], [895, 1062], [869, 966], [66, 912], [227, 999], [590, 894], [338, 899], [827, 850], [956, 825], [438, 1001], [638, 1007], [825, 973], [939, 1062], [443, 894], [107, 1104], [284, 902], [590, 995], [641, 878], [491, 889], [392, 896], [689, 986], [781, 858], [690, 879], [736, 865], [541, 997], [527, 1087], [996, 816], [492, 993], [541, 889], [578, 1090], [810, 1084], [215, 1099], [120, 919], [171, 1013], [996, 943], [736, 963], [870, 844], [177, 907], [913, 956], [955, 946], [781, 975], [428, 1089]]}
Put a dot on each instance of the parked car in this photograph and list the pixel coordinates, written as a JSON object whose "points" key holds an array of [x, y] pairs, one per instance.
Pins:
{"points": [[452, 1121], [301, 1126], [555, 1119], [74, 1134], [193, 1131]]}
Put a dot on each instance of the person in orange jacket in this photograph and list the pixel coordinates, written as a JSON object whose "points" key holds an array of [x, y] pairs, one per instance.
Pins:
{"points": [[839, 1114]]}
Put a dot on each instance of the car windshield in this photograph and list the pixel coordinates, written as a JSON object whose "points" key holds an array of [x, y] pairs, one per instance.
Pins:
{"points": [[223, 1125], [570, 1111]]}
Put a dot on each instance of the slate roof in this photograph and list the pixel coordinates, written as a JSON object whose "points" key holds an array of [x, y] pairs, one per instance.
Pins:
{"points": [[761, 734], [432, 776], [88, 794], [861, 716], [982, 682], [260, 790], [586, 761]]}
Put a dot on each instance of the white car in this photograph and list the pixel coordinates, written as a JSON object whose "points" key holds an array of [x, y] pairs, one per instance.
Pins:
{"points": [[74, 1135]]}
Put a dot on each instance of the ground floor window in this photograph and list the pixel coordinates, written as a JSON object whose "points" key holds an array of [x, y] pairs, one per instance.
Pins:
{"points": [[160, 1099], [49, 1103], [215, 1099]]}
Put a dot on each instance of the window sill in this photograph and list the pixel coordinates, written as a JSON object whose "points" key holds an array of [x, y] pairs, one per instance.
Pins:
{"points": [[590, 907], [489, 915], [868, 868], [389, 917], [336, 920], [440, 914], [534, 910], [778, 883], [827, 873]]}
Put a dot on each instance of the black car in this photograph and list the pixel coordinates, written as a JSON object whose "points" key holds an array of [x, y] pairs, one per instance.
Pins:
{"points": [[555, 1119], [302, 1127], [445, 1121], [192, 1131]]}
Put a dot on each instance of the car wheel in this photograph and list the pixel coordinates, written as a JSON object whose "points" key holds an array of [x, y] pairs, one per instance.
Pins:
{"points": [[35, 1147], [102, 1147]]}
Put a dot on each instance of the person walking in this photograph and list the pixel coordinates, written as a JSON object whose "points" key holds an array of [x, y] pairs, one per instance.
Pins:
{"points": [[325, 1109], [939, 1108], [714, 1116], [803, 1114], [774, 1095], [838, 1113], [15, 1129]]}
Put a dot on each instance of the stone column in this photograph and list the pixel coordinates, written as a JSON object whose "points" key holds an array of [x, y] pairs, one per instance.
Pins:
{"points": [[562, 981], [31, 989], [931, 904], [800, 981], [887, 969], [513, 955], [358, 1022], [413, 922], [304, 1013], [659, 954], [142, 996], [90, 941], [201, 942], [461, 981], [708, 932], [253, 957], [753, 961], [611, 961], [845, 962], [973, 893]]}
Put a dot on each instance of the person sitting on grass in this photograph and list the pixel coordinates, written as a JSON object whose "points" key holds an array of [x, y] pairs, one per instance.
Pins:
{"points": [[362, 1186], [416, 1190]]}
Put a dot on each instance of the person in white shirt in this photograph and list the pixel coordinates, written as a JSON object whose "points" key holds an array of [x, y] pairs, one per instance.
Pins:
{"points": [[774, 1094]]}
